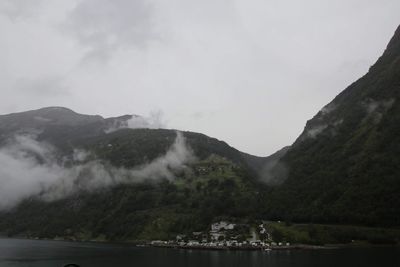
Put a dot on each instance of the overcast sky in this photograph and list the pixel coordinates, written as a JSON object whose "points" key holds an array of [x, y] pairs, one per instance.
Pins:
{"points": [[249, 72]]}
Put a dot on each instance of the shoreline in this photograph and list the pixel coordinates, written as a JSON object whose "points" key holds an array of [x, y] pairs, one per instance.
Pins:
{"points": [[245, 248], [147, 244]]}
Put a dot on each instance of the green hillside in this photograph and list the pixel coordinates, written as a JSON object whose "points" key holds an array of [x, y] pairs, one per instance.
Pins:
{"points": [[212, 188], [345, 166]]}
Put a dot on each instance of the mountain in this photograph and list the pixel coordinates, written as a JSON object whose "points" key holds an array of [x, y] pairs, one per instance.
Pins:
{"points": [[345, 166], [160, 190], [57, 125], [44, 117], [68, 130], [75, 176]]}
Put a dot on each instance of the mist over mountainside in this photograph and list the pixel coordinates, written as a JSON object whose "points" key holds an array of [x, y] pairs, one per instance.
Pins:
{"points": [[59, 125], [156, 183], [345, 166], [67, 130], [70, 172], [57, 139]]}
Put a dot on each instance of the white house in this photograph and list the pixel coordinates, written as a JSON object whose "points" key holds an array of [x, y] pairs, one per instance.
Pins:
{"points": [[222, 225]]}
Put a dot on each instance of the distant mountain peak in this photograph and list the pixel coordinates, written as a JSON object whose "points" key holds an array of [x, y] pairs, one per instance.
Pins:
{"points": [[57, 108], [394, 43]]}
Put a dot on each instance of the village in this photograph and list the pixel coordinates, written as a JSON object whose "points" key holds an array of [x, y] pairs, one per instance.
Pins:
{"points": [[224, 235]]}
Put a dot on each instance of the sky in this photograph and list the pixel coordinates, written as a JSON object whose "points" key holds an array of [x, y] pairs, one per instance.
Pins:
{"points": [[249, 72]]}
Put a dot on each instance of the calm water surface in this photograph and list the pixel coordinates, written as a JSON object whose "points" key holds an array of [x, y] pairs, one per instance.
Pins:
{"points": [[17, 252]]}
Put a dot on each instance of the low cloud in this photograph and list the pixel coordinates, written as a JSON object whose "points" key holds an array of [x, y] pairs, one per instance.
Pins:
{"points": [[274, 172], [371, 106], [376, 109], [314, 131], [155, 120], [324, 121], [328, 109], [30, 169]]}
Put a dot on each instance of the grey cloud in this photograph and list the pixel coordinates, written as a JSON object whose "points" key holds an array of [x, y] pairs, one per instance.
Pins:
{"points": [[104, 26], [29, 169], [48, 86], [20, 9], [246, 60], [198, 115]]}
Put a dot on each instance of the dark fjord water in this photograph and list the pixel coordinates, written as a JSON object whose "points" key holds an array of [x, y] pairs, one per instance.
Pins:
{"points": [[17, 252]]}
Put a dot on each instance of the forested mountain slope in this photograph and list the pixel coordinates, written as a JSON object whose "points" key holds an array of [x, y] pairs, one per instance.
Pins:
{"points": [[345, 166]]}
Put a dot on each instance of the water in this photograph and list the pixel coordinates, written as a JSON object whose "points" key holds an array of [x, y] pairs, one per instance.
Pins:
{"points": [[18, 252]]}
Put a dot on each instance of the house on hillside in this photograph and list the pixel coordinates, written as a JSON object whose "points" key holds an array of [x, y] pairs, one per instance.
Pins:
{"points": [[221, 226], [218, 230]]}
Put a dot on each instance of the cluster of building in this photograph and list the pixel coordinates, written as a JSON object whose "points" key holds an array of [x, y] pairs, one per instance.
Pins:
{"points": [[229, 244], [222, 235]]}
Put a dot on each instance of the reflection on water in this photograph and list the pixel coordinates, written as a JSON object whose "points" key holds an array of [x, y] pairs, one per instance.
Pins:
{"points": [[34, 253]]}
